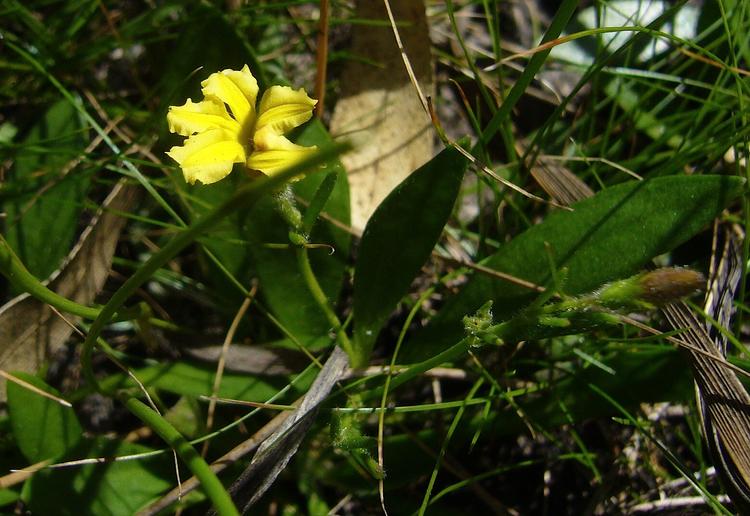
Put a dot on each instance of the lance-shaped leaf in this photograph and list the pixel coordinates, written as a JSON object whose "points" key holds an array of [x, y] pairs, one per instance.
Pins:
{"points": [[398, 240]]}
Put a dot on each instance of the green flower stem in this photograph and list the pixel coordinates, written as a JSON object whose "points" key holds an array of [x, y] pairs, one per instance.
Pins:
{"points": [[565, 317], [212, 486], [298, 235], [524, 327], [545, 324], [569, 316], [303, 261], [19, 276], [519, 328]]}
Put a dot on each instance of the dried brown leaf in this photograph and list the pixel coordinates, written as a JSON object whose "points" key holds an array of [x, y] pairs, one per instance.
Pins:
{"points": [[31, 331]]}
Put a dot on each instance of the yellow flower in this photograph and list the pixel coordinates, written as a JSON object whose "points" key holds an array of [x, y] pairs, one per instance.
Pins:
{"points": [[225, 128]]}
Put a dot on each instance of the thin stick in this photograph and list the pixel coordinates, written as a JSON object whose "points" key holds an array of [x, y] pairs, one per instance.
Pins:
{"points": [[254, 404], [587, 159], [18, 476], [675, 504], [322, 58], [405, 58], [487, 170], [36, 390], [674, 340], [711, 62], [223, 360], [492, 272]]}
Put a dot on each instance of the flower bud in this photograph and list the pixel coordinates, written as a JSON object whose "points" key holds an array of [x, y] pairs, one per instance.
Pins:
{"points": [[658, 287], [669, 284]]}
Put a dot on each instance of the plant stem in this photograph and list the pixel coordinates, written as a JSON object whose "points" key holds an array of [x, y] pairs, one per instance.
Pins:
{"points": [[19, 276], [212, 486], [303, 261]]}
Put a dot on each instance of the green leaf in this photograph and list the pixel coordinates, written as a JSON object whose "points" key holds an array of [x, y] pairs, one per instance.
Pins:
{"points": [[106, 489], [608, 236], [398, 240], [318, 201], [190, 379], [187, 417], [42, 214], [43, 428], [7, 497]]}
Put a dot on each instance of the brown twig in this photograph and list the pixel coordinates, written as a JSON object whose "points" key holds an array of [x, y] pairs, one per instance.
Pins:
{"points": [[322, 58]]}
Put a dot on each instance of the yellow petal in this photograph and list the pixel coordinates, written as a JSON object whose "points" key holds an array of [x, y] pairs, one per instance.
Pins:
{"points": [[194, 117], [274, 153], [283, 108], [208, 157], [237, 89]]}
